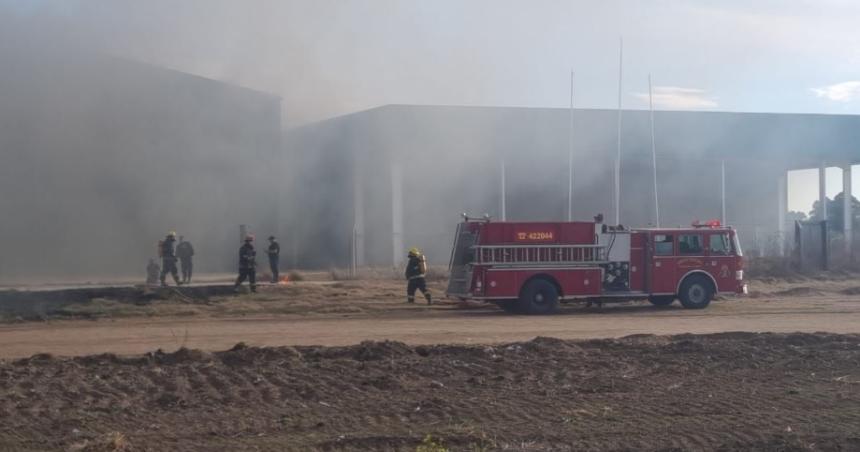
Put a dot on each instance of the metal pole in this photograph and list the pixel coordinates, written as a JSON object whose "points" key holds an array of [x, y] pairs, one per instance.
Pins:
{"points": [[504, 214], [723, 191], [653, 155], [847, 213], [618, 154], [570, 156]]}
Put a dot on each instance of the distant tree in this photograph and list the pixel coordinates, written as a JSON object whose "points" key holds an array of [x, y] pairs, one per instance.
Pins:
{"points": [[793, 216], [836, 213]]}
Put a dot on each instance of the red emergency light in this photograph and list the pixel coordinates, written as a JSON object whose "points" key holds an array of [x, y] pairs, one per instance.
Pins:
{"points": [[707, 224]]}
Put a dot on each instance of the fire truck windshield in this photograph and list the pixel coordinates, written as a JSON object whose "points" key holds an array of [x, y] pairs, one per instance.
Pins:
{"points": [[720, 244]]}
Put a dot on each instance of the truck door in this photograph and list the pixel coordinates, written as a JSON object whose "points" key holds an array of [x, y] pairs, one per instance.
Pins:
{"points": [[721, 262], [662, 263]]}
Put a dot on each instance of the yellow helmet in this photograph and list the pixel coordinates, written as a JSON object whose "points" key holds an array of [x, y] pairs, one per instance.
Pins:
{"points": [[171, 234], [414, 251]]}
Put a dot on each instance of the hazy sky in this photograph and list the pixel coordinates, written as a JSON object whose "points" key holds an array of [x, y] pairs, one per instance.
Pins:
{"points": [[329, 57]]}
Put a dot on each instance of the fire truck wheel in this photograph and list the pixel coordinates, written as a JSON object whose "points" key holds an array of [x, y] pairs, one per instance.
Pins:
{"points": [[696, 292], [664, 300], [539, 297]]}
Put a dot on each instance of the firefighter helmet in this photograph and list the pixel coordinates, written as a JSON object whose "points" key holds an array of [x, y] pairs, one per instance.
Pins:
{"points": [[414, 251], [171, 234]]}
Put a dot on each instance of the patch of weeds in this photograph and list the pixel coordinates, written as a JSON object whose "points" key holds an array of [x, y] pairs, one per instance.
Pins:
{"points": [[430, 444]]}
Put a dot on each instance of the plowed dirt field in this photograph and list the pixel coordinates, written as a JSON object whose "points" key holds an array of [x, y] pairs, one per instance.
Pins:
{"points": [[732, 391]]}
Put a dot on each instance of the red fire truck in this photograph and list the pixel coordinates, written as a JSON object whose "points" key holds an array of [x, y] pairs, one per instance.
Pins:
{"points": [[529, 267]]}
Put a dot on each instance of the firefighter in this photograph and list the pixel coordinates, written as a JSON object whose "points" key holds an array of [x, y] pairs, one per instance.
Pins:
{"points": [[247, 264], [168, 259], [416, 270], [274, 253], [184, 251]]}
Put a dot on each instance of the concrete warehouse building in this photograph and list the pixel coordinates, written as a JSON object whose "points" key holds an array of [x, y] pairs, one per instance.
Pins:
{"points": [[100, 157], [371, 184]]}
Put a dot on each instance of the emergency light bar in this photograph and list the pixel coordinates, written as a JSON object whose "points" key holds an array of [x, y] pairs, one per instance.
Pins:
{"points": [[708, 224]]}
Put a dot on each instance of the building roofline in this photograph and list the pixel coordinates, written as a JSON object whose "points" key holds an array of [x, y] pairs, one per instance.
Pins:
{"points": [[580, 109], [608, 110], [181, 73]]}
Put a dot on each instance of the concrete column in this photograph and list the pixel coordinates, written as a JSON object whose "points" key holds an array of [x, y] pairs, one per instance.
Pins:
{"points": [[822, 191], [848, 226], [782, 206], [358, 258], [397, 214]]}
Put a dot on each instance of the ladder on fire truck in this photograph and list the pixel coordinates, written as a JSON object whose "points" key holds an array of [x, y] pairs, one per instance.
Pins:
{"points": [[539, 255]]}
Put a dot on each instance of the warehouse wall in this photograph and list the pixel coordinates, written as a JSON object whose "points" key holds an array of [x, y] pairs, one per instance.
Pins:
{"points": [[451, 156]]}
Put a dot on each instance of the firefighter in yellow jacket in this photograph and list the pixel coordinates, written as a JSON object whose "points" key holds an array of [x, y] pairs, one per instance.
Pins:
{"points": [[416, 270]]}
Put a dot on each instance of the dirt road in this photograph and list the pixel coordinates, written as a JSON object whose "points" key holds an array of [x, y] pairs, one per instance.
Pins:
{"points": [[419, 324]]}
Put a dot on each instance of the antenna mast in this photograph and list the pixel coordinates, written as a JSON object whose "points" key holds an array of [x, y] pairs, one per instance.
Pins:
{"points": [[653, 154], [618, 154], [570, 156]]}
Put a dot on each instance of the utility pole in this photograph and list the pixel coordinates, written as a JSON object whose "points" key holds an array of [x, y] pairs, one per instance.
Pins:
{"points": [[723, 191], [504, 214], [618, 154], [570, 156], [653, 155]]}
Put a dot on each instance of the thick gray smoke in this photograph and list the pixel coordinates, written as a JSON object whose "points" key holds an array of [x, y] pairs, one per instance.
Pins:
{"points": [[102, 156], [110, 135]]}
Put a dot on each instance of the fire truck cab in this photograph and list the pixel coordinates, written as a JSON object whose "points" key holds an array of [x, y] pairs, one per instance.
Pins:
{"points": [[530, 267]]}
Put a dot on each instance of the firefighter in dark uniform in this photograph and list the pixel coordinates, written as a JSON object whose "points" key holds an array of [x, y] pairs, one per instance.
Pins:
{"points": [[184, 251], [274, 253], [416, 270], [247, 264], [168, 260]]}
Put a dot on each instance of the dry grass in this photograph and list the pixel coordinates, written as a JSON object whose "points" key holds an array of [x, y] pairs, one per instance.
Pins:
{"points": [[434, 273], [303, 298], [770, 267]]}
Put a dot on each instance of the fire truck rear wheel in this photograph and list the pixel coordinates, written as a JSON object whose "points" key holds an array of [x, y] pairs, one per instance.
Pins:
{"points": [[663, 300], [539, 296], [696, 292]]}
